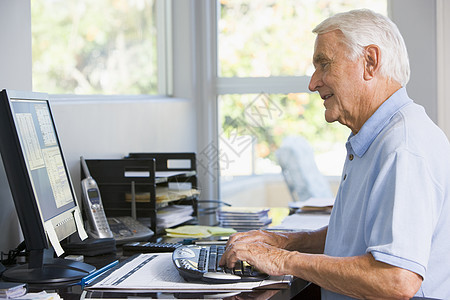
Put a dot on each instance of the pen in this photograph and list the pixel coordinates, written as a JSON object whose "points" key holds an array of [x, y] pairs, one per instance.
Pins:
{"points": [[94, 275]]}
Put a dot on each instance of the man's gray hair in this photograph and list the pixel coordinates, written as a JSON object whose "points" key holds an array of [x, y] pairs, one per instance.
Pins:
{"points": [[364, 27]]}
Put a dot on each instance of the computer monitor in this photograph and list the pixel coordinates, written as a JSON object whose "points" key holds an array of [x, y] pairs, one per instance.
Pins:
{"points": [[41, 187]]}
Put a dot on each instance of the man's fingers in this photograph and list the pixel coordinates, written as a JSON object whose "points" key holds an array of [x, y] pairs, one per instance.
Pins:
{"points": [[263, 256], [232, 254], [240, 236]]}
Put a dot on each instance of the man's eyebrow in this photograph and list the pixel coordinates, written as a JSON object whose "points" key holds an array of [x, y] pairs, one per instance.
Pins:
{"points": [[320, 58]]}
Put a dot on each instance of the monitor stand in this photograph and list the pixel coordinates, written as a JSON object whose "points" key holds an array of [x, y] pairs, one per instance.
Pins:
{"points": [[42, 270]]}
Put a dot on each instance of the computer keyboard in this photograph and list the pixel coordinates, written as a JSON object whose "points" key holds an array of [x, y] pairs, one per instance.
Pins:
{"points": [[148, 247], [201, 263]]}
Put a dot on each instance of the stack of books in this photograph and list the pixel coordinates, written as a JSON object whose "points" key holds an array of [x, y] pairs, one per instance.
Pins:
{"points": [[243, 218]]}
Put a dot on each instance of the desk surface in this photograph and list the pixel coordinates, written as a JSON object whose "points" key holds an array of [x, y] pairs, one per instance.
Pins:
{"points": [[75, 292], [297, 286]]}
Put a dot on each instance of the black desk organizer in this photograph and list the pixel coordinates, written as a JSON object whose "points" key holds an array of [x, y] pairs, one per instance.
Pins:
{"points": [[117, 177]]}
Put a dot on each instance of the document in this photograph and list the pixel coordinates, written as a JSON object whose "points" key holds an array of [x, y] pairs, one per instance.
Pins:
{"points": [[314, 204], [155, 272], [303, 221], [173, 215], [12, 289]]}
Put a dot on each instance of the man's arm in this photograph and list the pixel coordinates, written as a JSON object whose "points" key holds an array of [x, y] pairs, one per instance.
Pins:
{"points": [[359, 276], [309, 241]]}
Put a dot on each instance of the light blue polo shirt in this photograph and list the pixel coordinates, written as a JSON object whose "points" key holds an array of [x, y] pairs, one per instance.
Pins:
{"points": [[393, 200]]}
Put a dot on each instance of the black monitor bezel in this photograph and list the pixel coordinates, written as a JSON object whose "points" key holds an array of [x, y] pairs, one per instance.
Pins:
{"points": [[31, 220]]}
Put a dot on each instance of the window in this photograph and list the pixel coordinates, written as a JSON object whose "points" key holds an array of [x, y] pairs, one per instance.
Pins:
{"points": [[272, 37], [94, 47], [264, 62], [254, 126]]}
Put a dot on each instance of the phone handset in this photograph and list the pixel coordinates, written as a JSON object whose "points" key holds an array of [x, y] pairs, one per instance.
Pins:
{"points": [[99, 227]]}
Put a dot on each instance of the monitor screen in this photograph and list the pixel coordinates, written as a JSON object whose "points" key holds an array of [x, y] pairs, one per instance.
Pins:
{"points": [[43, 157], [41, 187]]}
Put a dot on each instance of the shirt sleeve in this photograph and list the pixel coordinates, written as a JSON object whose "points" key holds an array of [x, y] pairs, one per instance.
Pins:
{"points": [[401, 213]]}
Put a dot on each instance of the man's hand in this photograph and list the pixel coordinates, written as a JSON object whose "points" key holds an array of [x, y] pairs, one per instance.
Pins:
{"points": [[262, 249], [264, 257], [277, 239]]}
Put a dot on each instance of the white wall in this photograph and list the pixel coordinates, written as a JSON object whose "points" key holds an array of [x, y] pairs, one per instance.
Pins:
{"points": [[15, 73], [109, 128], [416, 20], [114, 128], [15, 52]]}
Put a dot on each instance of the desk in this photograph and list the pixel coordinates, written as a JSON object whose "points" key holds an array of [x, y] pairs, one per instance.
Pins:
{"points": [[298, 285], [75, 292]]}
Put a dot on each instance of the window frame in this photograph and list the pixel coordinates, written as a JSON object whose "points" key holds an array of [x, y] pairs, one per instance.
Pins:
{"points": [[443, 45], [269, 85]]}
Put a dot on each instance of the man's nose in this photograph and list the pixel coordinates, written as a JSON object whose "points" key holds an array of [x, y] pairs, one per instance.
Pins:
{"points": [[315, 82]]}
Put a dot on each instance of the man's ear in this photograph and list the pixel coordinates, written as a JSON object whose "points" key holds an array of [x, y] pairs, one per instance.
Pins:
{"points": [[372, 55]]}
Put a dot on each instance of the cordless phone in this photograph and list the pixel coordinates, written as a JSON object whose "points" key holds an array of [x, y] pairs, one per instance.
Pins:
{"points": [[99, 227], [123, 229]]}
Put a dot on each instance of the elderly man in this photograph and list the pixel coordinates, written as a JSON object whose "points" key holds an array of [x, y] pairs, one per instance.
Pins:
{"points": [[389, 231]]}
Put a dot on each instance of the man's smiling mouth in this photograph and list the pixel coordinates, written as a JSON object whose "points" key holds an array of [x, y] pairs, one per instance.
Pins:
{"points": [[327, 96]]}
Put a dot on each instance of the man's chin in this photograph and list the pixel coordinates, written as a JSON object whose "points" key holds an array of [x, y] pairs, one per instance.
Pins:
{"points": [[330, 118]]}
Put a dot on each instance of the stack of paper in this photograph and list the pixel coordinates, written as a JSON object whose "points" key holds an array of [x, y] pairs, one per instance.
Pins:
{"points": [[12, 289], [243, 218], [164, 194], [314, 205], [303, 221], [174, 215], [39, 296]]}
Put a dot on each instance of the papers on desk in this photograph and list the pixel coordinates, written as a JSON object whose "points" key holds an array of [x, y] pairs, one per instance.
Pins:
{"points": [[311, 214], [39, 296], [303, 221], [12, 289], [164, 195], [156, 273], [314, 204], [174, 215]]}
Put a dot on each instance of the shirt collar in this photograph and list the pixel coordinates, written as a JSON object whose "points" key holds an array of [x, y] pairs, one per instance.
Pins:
{"points": [[373, 126]]}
